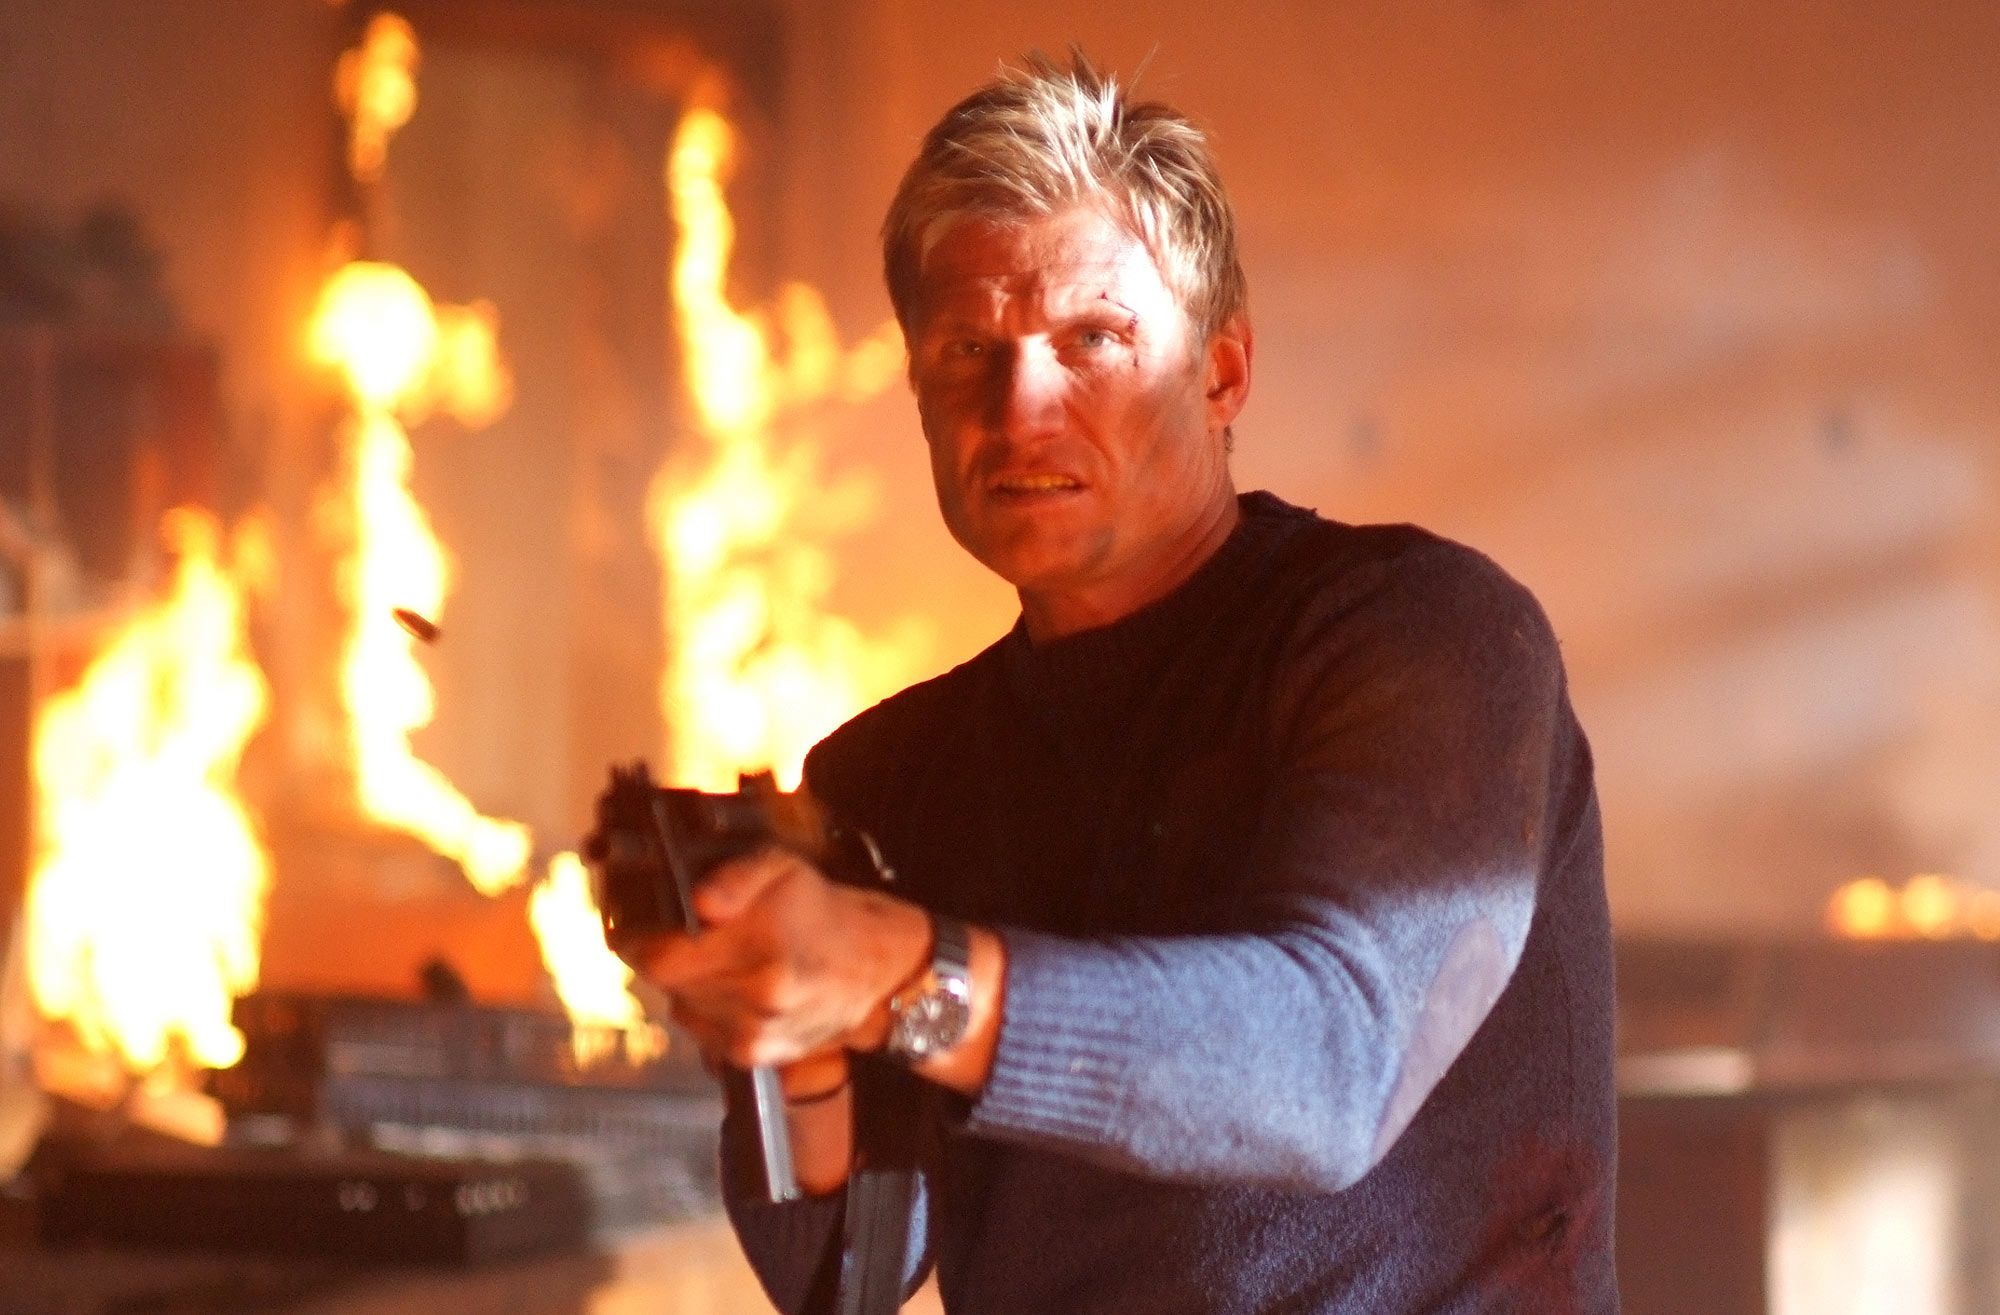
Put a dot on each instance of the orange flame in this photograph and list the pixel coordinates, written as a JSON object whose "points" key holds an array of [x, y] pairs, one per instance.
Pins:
{"points": [[758, 669], [1929, 906], [378, 328], [376, 85], [145, 907], [592, 982], [401, 355]]}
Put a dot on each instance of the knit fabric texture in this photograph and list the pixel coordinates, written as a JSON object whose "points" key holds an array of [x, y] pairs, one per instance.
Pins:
{"points": [[1308, 991]]}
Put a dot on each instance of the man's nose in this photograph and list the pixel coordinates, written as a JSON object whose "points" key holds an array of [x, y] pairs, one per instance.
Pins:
{"points": [[1025, 392]]}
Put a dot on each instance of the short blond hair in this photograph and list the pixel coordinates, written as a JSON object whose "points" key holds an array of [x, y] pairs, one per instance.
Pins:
{"points": [[1045, 138]]}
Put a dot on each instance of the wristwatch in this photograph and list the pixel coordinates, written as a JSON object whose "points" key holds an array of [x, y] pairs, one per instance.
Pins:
{"points": [[930, 1014]]}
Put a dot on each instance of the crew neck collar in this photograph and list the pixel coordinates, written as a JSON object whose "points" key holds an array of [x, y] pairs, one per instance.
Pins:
{"points": [[1105, 653]]}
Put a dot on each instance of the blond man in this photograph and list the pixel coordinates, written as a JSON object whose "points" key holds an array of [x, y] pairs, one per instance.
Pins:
{"points": [[1251, 953]]}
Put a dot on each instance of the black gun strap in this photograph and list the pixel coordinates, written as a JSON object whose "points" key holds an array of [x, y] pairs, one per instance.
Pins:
{"points": [[895, 1116], [875, 1241]]}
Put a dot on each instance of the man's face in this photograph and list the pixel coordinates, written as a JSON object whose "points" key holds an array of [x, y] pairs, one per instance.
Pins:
{"points": [[1073, 415]]}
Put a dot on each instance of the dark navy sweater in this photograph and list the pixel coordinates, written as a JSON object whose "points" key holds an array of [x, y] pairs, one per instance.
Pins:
{"points": [[1308, 991]]}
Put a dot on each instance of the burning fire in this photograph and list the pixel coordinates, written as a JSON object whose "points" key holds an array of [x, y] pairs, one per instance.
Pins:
{"points": [[1928, 906], [758, 669], [145, 907], [379, 329], [592, 982], [402, 356]]}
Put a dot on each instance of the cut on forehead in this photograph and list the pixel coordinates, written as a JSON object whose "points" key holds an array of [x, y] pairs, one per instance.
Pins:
{"points": [[1014, 282]]}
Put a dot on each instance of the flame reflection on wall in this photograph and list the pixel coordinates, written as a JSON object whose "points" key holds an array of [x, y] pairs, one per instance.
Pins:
{"points": [[145, 906], [758, 667]]}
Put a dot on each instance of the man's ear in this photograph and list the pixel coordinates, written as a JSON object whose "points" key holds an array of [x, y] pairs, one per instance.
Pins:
{"points": [[1226, 370]]}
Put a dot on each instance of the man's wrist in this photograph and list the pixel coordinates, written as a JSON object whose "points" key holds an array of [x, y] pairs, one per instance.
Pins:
{"points": [[928, 1015], [964, 1066]]}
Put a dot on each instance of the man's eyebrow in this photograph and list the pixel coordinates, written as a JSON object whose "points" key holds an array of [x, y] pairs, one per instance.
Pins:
{"points": [[1106, 307]]}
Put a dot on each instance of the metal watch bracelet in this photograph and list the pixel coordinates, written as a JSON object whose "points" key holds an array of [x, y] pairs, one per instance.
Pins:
{"points": [[931, 1014]]}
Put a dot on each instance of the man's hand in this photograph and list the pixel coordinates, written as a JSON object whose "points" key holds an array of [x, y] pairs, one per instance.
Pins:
{"points": [[788, 963]]}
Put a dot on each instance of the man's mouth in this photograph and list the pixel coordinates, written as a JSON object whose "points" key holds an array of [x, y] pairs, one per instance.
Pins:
{"points": [[1027, 485]]}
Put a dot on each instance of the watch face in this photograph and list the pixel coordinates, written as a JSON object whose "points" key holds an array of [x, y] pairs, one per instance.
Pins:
{"points": [[932, 1021]]}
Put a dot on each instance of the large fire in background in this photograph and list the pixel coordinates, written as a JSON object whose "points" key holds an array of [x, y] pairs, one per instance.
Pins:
{"points": [[402, 357], [758, 666], [379, 329], [758, 669], [145, 905]]}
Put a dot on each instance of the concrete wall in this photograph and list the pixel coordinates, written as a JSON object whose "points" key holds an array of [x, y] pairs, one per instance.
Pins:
{"points": [[214, 122]]}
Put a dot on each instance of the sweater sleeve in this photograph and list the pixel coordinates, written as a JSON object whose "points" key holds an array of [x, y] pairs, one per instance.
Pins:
{"points": [[1388, 899]]}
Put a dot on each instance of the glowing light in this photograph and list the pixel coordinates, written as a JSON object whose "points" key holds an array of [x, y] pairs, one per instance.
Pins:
{"points": [[592, 982], [1929, 905], [469, 378], [1864, 909], [145, 906], [758, 667], [400, 354]]}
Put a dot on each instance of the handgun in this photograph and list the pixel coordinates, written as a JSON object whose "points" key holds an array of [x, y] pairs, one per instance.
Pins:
{"points": [[652, 847]]}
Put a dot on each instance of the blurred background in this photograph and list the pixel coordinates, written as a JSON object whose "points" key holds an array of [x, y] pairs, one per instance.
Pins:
{"points": [[557, 325]]}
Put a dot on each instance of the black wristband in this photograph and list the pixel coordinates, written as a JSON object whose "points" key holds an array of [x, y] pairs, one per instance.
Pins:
{"points": [[818, 1097]]}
